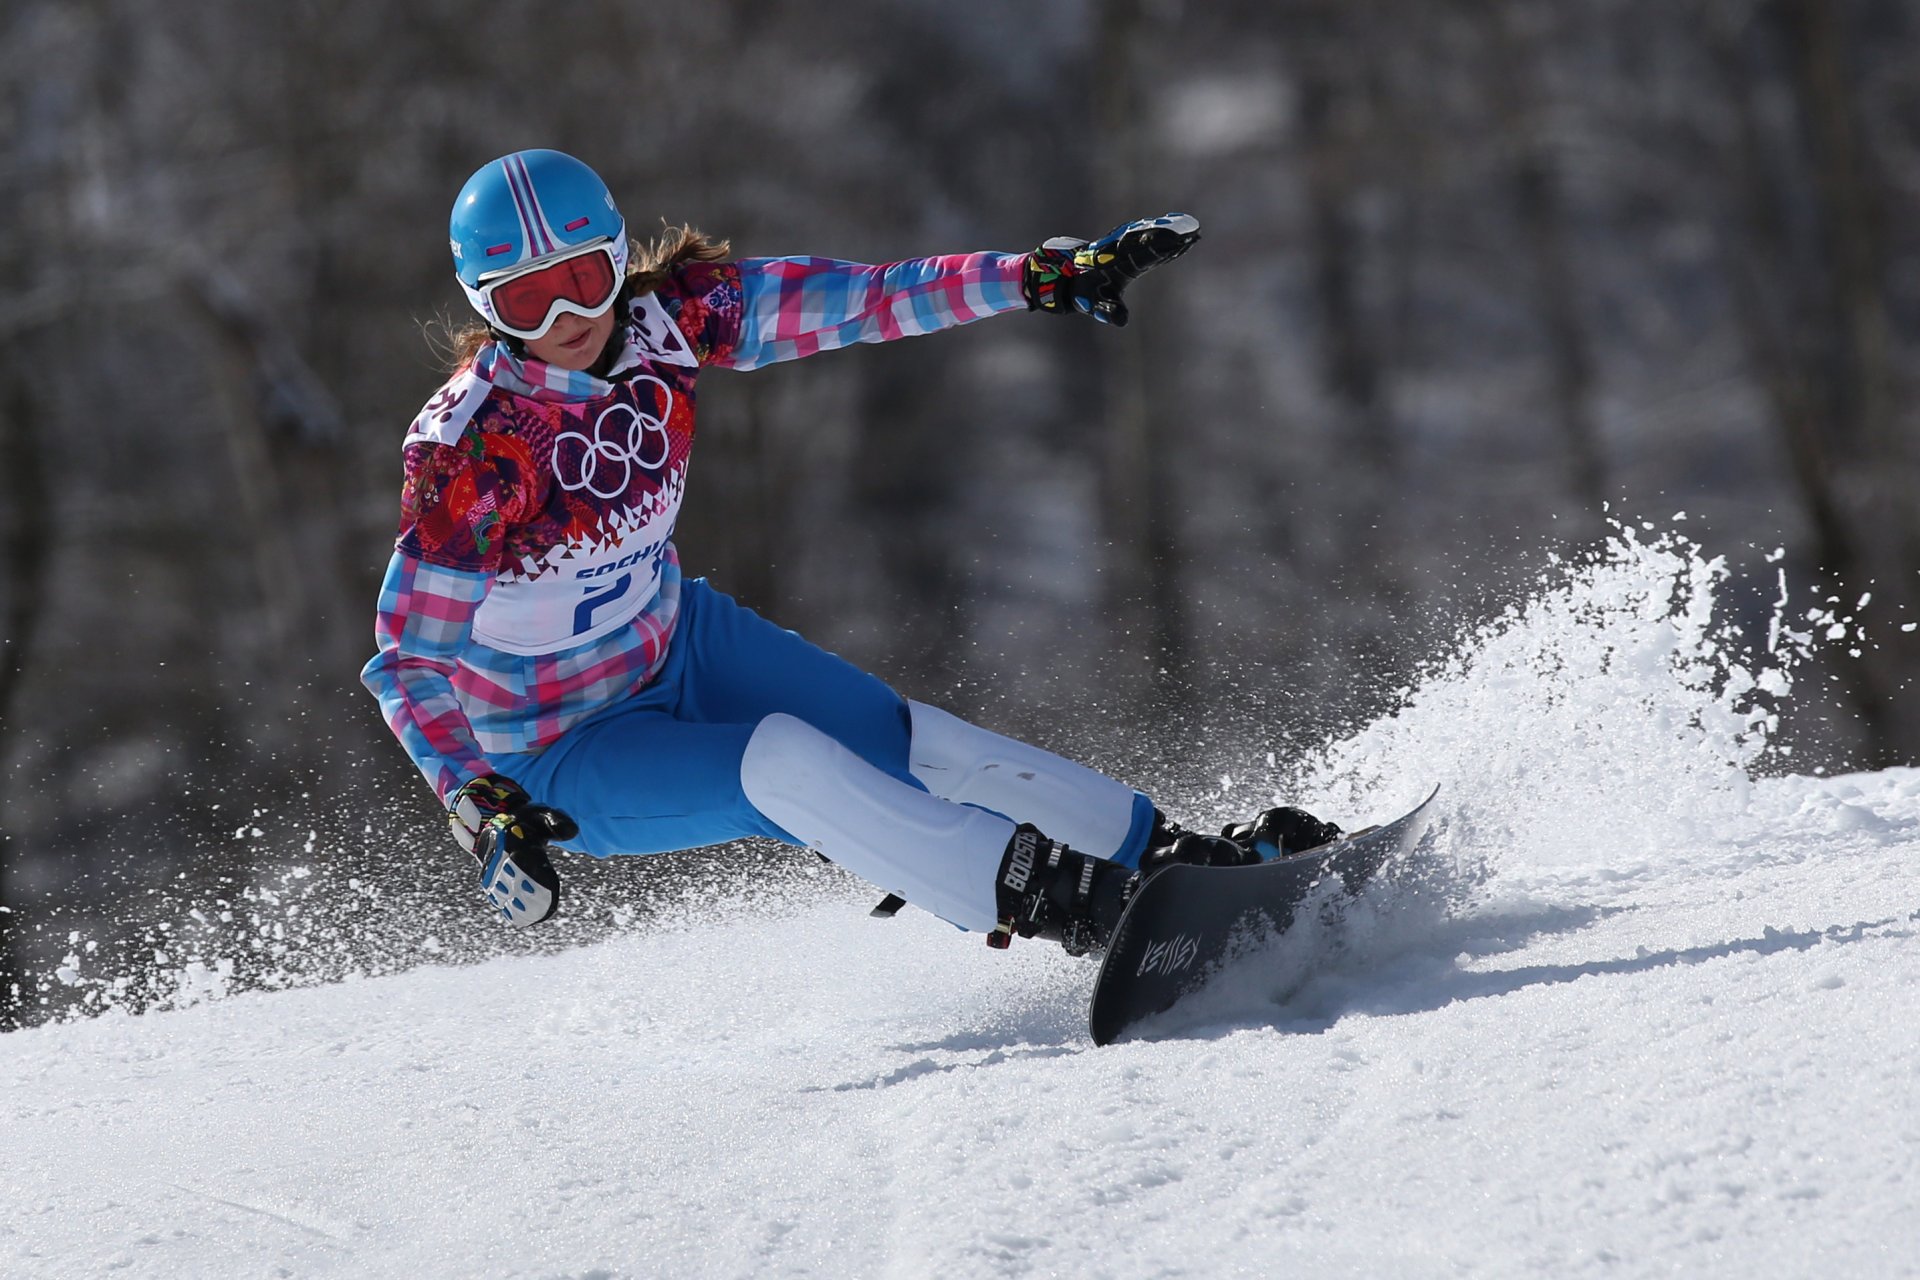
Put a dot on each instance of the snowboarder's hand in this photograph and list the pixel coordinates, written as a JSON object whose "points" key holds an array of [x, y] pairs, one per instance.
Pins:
{"points": [[1066, 274], [483, 798], [495, 820], [1281, 833]]}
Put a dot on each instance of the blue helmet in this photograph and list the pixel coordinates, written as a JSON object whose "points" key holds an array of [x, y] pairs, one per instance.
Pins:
{"points": [[524, 208]]}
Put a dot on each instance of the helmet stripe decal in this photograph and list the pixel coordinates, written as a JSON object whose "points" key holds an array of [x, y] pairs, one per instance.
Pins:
{"points": [[520, 210], [540, 237], [547, 237]]}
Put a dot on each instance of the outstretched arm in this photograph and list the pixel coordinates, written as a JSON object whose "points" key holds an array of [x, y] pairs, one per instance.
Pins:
{"points": [[793, 307], [759, 311]]}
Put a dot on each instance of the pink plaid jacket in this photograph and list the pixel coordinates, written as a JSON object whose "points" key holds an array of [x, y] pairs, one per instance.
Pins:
{"points": [[534, 579]]}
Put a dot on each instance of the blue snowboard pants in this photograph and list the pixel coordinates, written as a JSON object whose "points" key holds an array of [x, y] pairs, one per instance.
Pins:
{"points": [[660, 770]]}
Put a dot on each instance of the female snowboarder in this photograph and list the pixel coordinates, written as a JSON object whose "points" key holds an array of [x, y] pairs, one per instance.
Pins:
{"points": [[559, 683]]}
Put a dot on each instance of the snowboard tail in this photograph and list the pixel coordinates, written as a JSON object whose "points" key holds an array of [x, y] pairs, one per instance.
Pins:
{"points": [[1184, 920]]}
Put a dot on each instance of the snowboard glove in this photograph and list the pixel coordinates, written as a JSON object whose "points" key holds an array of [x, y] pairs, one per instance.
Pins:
{"points": [[496, 821], [1045, 890], [1066, 274], [1281, 833]]}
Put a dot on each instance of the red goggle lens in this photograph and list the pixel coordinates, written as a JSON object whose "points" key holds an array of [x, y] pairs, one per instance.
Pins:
{"points": [[588, 281]]}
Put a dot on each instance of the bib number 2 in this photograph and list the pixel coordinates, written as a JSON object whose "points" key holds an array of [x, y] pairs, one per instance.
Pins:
{"points": [[583, 613]]}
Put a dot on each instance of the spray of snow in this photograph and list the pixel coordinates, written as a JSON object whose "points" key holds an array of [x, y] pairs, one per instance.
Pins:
{"points": [[1592, 735], [1607, 730]]}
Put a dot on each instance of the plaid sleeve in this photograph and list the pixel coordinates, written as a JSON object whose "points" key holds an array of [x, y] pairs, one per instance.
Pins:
{"points": [[423, 625], [793, 307]]}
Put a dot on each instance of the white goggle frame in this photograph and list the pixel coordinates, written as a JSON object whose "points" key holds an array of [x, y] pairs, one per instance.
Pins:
{"points": [[482, 296]]}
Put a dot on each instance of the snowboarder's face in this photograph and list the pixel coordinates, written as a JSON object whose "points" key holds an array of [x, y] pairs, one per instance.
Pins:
{"points": [[574, 342]]}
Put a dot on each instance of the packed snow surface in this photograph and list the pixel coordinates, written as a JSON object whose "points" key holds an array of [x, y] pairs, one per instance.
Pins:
{"points": [[1637, 1013]]}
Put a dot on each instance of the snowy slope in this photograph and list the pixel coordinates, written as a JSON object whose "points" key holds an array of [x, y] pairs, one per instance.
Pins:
{"points": [[1642, 1016]]}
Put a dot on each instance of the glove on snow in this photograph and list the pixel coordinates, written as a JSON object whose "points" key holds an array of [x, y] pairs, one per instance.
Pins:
{"points": [[1281, 833], [498, 823], [1066, 274]]}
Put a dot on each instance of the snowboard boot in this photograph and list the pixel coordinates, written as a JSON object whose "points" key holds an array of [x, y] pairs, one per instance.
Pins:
{"points": [[1281, 833], [1045, 890]]}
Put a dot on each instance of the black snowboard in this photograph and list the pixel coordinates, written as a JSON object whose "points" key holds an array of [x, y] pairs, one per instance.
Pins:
{"points": [[1182, 921]]}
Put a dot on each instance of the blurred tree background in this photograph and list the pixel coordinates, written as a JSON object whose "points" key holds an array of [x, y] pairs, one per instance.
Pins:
{"points": [[1475, 272]]}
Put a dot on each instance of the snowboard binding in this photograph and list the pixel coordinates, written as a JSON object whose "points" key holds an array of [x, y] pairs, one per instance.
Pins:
{"points": [[1281, 833], [1170, 844]]}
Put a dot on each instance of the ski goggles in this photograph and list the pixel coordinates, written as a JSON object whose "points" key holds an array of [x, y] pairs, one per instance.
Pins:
{"points": [[527, 302]]}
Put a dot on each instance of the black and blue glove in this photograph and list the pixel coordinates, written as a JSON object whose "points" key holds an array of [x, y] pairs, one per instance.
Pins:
{"points": [[497, 822], [1067, 275]]}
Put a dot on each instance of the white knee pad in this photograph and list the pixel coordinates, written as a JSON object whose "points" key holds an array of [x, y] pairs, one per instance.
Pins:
{"points": [[1068, 802], [941, 857]]}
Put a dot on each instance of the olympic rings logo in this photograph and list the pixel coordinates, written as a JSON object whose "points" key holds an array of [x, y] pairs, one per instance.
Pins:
{"points": [[643, 444]]}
